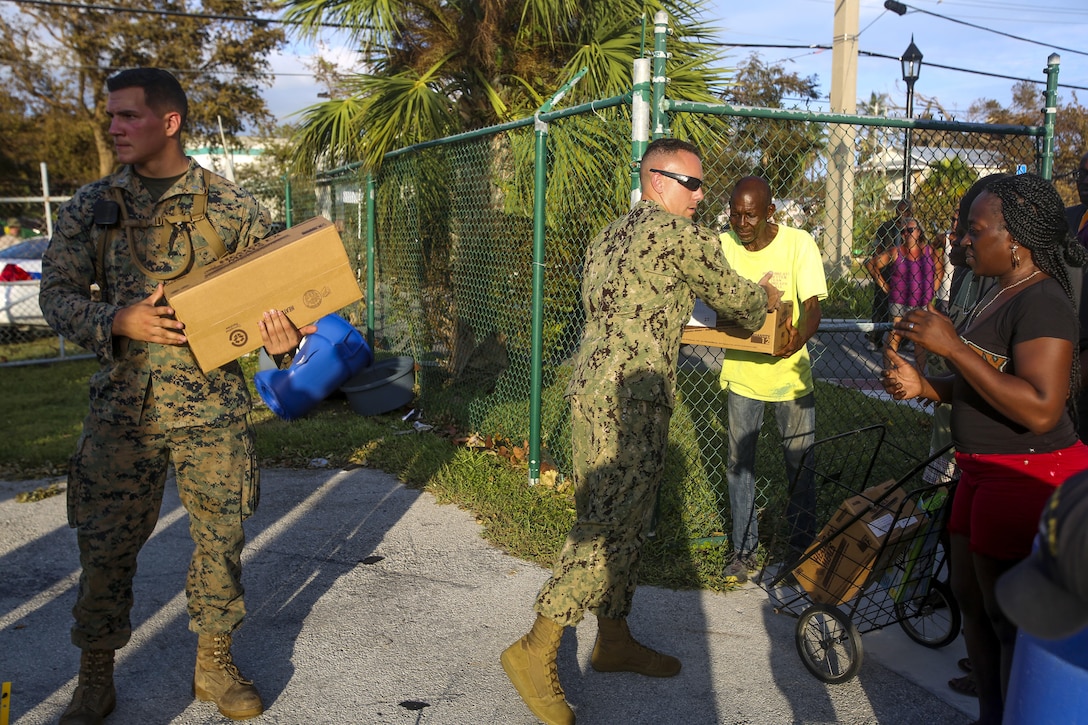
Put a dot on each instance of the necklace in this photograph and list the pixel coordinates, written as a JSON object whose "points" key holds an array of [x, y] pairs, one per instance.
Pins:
{"points": [[979, 310]]}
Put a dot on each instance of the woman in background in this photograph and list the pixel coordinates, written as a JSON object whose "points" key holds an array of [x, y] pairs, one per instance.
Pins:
{"points": [[913, 278]]}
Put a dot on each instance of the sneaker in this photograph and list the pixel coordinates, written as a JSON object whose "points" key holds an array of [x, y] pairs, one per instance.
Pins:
{"points": [[872, 346], [740, 567]]}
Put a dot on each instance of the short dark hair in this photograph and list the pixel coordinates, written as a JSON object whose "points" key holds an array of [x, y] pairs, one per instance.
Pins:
{"points": [[670, 146], [162, 91]]}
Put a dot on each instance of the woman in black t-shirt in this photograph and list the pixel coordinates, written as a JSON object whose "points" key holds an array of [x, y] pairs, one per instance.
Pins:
{"points": [[1015, 375]]}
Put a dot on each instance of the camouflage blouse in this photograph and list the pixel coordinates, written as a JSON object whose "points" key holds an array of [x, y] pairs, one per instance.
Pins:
{"points": [[642, 275], [139, 382]]}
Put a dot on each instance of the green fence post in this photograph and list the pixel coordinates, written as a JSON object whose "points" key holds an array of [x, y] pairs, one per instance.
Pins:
{"points": [[1046, 163], [540, 188], [659, 120], [371, 236], [287, 200]]}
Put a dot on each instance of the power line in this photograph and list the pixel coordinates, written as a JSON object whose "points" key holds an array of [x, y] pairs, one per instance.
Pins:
{"points": [[175, 13], [899, 8], [1037, 9], [817, 46], [976, 72], [813, 46]]}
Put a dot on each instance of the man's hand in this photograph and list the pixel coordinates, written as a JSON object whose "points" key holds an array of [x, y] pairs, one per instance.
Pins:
{"points": [[795, 342], [773, 293], [279, 334], [148, 321]]}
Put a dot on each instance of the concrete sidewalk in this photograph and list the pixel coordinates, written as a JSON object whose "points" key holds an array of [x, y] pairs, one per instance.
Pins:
{"points": [[370, 603]]}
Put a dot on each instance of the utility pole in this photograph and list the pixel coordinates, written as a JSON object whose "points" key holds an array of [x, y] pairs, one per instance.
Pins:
{"points": [[838, 237]]}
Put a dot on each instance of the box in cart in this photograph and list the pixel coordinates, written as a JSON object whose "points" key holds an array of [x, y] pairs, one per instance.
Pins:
{"points": [[303, 271], [844, 554], [771, 338]]}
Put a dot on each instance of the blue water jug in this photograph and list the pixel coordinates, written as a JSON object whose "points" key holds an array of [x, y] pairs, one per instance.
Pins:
{"points": [[325, 360]]}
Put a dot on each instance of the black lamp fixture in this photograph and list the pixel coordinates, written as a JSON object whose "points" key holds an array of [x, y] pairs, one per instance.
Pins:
{"points": [[911, 63]]}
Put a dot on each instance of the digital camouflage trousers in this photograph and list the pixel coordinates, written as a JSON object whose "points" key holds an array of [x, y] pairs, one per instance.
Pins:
{"points": [[618, 451], [115, 490]]}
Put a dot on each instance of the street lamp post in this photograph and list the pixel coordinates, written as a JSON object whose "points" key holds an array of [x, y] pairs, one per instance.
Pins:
{"points": [[911, 62]]}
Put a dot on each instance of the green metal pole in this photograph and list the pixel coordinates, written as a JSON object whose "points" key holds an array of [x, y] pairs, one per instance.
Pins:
{"points": [[1046, 163], [536, 372], [659, 120], [371, 245], [287, 200], [540, 188]]}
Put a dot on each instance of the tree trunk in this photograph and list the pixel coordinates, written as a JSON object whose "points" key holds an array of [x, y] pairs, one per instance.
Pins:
{"points": [[102, 144]]}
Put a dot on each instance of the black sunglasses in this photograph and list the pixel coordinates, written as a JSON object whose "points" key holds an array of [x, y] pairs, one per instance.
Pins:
{"points": [[688, 182], [908, 230]]}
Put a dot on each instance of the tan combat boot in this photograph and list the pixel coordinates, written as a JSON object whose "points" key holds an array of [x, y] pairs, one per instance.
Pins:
{"points": [[218, 680], [530, 665], [95, 696], [617, 651]]}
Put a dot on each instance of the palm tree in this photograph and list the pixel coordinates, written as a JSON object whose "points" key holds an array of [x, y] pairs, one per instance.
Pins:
{"points": [[438, 67]]}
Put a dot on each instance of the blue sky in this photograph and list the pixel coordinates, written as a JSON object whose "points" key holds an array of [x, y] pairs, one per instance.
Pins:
{"points": [[1061, 23], [1058, 23]]}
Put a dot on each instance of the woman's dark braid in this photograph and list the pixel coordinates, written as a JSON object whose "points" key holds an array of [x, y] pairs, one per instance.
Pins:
{"points": [[1035, 218]]}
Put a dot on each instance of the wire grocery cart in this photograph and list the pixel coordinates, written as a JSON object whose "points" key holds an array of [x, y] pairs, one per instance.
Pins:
{"points": [[878, 558]]}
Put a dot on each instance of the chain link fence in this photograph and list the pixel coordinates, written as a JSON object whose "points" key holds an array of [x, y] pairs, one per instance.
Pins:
{"points": [[851, 211], [455, 246], [453, 268], [24, 335]]}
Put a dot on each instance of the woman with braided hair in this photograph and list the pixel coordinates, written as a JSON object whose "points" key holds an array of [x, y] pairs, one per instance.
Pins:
{"points": [[1015, 373]]}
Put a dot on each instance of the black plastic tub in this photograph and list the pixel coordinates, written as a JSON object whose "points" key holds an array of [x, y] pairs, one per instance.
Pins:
{"points": [[382, 387]]}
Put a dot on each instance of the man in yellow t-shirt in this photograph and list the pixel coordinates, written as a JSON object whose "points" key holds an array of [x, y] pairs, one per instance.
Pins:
{"points": [[753, 245]]}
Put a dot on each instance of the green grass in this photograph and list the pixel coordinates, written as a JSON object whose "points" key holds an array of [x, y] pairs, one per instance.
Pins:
{"points": [[45, 405], [41, 417], [33, 343]]}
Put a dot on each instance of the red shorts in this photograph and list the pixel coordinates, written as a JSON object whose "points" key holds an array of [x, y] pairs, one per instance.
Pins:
{"points": [[1000, 497]]}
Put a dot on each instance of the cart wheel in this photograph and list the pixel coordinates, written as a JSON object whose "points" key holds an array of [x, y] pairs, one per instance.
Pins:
{"points": [[829, 644], [933, 620]]}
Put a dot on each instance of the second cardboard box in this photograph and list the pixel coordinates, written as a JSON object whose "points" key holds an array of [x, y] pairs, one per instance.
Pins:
{"points": [[771, 338]]}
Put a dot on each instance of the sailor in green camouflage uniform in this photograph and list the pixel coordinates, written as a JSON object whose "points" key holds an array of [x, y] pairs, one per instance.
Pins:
{"points": [[150, 403], [642, 275]]}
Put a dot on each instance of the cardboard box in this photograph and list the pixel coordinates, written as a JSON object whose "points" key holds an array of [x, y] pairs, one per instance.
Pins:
{"points": [[844, 554], [771, 338], [303, 271]]}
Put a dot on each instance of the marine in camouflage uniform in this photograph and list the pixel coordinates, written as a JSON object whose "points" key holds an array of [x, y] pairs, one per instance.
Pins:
{"points": [[149, 402], [642, 275], [150, 405]]}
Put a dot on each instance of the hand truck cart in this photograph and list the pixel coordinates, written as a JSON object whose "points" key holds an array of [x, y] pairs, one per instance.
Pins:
{"points": [[877, 559]]}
